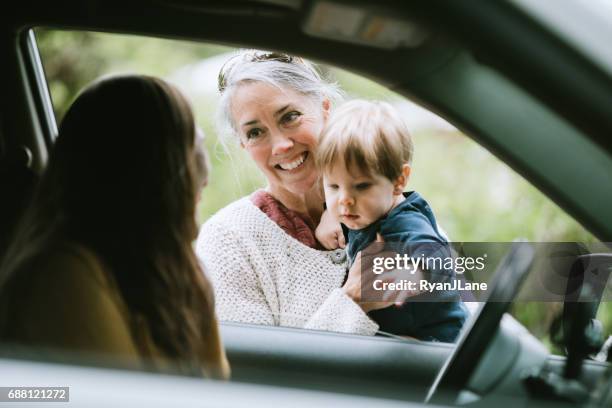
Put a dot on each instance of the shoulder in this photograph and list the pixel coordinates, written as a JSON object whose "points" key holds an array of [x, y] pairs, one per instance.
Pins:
{"points": [[413, 220], [66, 298], [414, 209], [238, 227], [67, 263], [414, 203], [66, 277], [236, 214]]}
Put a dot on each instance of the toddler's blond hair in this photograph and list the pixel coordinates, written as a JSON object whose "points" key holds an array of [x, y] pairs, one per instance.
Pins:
{"points": [[369, 135]]}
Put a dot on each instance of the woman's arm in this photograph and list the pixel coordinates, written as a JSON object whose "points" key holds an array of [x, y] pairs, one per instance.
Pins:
{"points": [[239, 296], [340, 313]]}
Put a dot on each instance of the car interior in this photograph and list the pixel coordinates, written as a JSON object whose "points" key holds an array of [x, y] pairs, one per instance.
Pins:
{"points": [[518, 81]]}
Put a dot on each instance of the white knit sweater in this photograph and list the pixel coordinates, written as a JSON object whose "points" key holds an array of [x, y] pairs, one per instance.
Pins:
{"points": [[262, 275]]}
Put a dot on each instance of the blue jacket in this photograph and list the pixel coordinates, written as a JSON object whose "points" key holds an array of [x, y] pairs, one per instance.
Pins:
{"points": [[412, 227]]}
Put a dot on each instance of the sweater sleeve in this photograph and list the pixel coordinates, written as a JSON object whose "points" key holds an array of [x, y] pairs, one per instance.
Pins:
{"points": [[341, 314], [239, 296]]}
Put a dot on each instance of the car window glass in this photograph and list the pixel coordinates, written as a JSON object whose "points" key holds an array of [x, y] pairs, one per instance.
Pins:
{"points": [[475, 196]]}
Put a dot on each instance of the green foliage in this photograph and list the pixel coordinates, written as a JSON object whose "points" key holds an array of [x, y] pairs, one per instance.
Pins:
{"points": [[73, 59], [476, 197]]}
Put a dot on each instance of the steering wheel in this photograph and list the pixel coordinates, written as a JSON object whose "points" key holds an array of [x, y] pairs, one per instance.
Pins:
{"points": [[478, 335]]}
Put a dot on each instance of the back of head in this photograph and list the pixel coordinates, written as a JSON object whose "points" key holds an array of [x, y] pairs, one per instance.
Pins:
{"points": [[122, 180], [369, 135], [121, 162]]}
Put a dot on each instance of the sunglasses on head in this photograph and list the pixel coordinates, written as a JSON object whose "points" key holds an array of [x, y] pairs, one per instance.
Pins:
{"points": [[258, 56]]}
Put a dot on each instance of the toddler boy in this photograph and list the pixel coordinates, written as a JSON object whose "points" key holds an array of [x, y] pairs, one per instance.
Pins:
{"points": [[364, 155]]}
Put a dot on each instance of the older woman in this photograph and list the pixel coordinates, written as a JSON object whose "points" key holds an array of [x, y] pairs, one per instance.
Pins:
{"points": [[266, 264]]}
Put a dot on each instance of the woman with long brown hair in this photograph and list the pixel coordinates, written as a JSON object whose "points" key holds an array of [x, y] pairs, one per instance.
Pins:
{"points": [[103, 261]]}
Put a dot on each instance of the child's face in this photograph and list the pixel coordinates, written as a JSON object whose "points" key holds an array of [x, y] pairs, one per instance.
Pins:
{"points": [[357, 199]]}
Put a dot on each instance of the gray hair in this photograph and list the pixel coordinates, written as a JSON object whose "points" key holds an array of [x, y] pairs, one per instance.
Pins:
{"points": [[280, 70]]}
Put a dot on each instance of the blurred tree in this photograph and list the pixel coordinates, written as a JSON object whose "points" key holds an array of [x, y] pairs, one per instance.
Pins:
{"points": [[70, 62], [72, 59]]}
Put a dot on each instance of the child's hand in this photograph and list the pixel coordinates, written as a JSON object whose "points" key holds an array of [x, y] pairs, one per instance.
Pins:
{"points": [[329, 232]]}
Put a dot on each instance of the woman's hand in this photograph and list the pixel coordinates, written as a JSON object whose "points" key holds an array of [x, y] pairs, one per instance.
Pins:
{"points": [[329, 232], [362, 269]]}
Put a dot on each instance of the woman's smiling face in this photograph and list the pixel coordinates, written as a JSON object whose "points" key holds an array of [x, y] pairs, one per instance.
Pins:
{"points": [[279, 128]]}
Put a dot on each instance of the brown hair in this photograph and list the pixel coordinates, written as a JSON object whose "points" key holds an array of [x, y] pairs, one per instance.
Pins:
{"points": [[369, 135], [122, 180]]}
